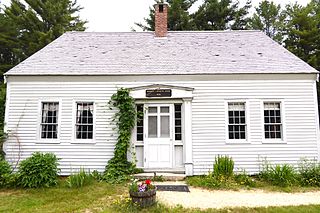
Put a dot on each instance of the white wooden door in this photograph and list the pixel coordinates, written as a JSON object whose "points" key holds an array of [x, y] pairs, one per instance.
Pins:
{"points": [[158, 138]]}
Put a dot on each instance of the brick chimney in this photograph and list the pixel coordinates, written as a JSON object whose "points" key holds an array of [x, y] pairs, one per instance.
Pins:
{"points": [[161, 19]]}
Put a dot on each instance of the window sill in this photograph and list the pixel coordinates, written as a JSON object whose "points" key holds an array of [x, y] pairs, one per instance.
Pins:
{"points": [[237, 142], [274, 142], [83, 142], [48, 141]]}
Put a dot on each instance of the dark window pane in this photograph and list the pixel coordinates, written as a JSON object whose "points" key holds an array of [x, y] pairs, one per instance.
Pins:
{"points": [[139, 129], [177, 129], [278, 134], [231, 121], [266, 134], [277, 128], [243, 120], [178, 122], [237, 135], [230, 113], [277, 112], [236, 113], [236, 128], [242, 128], [272, 113], [231, 135], [178, 137], [266, 120], [278, 119], [272, 120], [139, 137], [242, 113], [177, 115], [266, 112], [236, 120], [177, 107], [272, 135], [243, 135]]}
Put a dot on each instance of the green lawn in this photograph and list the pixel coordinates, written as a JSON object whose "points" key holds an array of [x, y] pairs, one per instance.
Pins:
{"points": [[99, 197]]}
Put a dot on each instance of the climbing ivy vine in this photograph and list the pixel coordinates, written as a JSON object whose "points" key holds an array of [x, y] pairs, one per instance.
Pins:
{"points": [[119, 168]]}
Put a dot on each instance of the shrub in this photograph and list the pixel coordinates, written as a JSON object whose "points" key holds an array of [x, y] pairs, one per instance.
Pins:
{"points": [[5, 172], [309, 173], [80, 179], [223, 167], [244, 179], [97, 175], [39, 170], [279, 175]]}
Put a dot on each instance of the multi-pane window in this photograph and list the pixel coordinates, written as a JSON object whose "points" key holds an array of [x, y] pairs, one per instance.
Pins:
{"points": [[84, 120], [272, 120], [140, 122], [236, 120], [177, 122], [49, 120]]}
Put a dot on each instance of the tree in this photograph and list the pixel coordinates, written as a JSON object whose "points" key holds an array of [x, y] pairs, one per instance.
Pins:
{"points": [[221, 15], [303, 32], [39, 22], [269, 18], [178, 16]]}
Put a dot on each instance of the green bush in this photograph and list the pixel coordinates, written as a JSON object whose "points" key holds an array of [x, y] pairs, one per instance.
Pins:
{"points": [[244, 179], [39, 170], [279, 175], [80, 179], [223, 167], [5, 172], [309, 173]]}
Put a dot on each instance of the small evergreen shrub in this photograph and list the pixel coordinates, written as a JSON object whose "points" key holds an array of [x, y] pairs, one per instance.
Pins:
{"points": [[39, 170], [5, 172], [80, 179], [223, 167], [309, 173], [279, 175]]}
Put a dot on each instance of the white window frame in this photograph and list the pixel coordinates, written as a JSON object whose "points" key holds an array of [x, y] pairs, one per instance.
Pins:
{"points": [[283, 122], [247, 117], [75, 140], [39, 129]]}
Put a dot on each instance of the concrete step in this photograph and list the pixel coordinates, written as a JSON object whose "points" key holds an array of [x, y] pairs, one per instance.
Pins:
{"points": [[165, 176]]}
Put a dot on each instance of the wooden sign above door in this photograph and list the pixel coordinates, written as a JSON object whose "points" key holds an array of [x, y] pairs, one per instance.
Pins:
{"points": [[158, 93]]}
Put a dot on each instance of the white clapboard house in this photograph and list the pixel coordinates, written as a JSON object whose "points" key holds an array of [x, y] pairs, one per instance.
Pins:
{"points": [[203, 94]]}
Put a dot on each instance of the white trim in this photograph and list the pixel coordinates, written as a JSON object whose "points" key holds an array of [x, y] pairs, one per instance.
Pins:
{"points": [[315, 95], [283, 122], [74, 140], [247, 117], [51, 140], [187, 136]]}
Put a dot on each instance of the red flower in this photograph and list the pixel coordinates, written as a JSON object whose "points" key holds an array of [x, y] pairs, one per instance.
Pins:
{"points": [[148, 182]]}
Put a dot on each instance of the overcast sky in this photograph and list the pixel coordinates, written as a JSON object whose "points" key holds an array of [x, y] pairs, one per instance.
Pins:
{"points": [[120, 15]]}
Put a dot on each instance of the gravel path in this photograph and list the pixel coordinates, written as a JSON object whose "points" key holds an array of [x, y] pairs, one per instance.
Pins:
{"points": [[201, 198]]}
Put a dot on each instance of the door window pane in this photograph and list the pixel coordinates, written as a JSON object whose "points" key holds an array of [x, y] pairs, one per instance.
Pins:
{"points": [[164, 109], [152, 126], [152, 109], [165, 127]]}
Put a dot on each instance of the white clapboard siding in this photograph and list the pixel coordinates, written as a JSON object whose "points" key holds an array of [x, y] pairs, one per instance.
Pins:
{"points": [[208, 119]]}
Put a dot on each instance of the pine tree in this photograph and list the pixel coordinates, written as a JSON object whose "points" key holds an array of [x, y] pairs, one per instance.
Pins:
{"points": [[269, 18], [303, 32], [41, 21], [178, 16], [221, 15]]}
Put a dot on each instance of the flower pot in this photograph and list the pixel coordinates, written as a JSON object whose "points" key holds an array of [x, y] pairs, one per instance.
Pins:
{"points": [[144, 199]]}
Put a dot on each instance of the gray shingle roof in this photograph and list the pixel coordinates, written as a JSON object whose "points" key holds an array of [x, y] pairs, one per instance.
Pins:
{"points": [[137, 53]]}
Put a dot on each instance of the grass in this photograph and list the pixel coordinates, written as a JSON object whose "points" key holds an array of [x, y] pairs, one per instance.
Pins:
{"points": [[208, 183], [101, 197]]}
